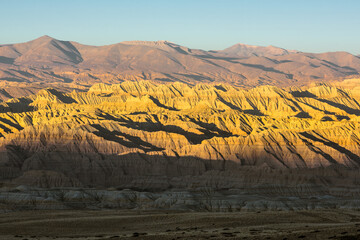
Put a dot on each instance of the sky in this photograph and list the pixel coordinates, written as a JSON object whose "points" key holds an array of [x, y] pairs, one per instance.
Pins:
{"points": [[304, 25]]}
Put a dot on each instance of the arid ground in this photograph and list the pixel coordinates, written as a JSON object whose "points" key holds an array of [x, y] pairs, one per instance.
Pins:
{"points": [[316, 224], [243, 143]]}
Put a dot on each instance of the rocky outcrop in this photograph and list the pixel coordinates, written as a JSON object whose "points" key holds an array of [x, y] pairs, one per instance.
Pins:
{"points": [[159, 136]]}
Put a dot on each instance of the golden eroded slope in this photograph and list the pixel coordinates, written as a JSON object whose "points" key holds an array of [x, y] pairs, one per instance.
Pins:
{"points": [[136, 131]]}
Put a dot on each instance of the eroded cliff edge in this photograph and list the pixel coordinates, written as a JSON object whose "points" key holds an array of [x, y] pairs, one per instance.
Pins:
{"points": [[158, 136]]}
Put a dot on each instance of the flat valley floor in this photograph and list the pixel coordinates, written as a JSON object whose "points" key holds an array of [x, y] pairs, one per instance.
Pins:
{"points": [[106, 224]]}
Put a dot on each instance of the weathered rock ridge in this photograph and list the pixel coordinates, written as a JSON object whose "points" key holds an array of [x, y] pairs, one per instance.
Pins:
{"points": [[158, 136]]}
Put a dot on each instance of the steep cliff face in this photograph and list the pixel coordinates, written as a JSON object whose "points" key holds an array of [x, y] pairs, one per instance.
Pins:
{"points": [[142, 132]]}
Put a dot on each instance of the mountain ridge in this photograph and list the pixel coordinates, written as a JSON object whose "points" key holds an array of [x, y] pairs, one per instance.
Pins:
{"points": [[116, 134], [245, 50], [68, 65]]}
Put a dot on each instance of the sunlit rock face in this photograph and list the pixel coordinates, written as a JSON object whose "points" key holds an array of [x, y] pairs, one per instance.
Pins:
{"points": [[137, 134]]}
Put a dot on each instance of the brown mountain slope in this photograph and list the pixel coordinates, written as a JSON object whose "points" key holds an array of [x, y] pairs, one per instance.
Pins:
{"points": [[243, 50], [133, 131], [65, 65]]}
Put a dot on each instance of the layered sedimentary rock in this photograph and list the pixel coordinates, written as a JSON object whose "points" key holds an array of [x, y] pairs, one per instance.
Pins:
{"points": [[157, 136]]}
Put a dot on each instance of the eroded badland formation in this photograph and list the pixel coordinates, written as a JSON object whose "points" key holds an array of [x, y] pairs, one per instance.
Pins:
{"points": [[188, 119]]}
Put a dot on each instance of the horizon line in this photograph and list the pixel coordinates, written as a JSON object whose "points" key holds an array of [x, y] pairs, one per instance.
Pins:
{"points": [[238, 43]]}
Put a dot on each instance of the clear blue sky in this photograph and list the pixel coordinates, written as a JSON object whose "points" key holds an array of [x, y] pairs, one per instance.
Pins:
{"points": [[305, 25]]}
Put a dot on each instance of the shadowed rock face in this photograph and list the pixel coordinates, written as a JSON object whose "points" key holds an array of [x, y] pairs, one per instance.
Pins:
{"points": [[176, 135], [27, 67]]}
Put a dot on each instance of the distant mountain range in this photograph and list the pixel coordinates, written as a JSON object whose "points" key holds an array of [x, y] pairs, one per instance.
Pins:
{"points": [[202, 128], [70, 65]]}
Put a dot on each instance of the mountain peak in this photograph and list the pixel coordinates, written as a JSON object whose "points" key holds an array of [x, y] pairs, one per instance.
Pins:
{"points": [[244, 50], [44, 38], [247, 45], [147, 43]]}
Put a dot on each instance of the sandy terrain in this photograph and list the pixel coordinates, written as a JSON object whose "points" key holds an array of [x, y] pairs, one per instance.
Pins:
{"points": [[325, 224]]}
